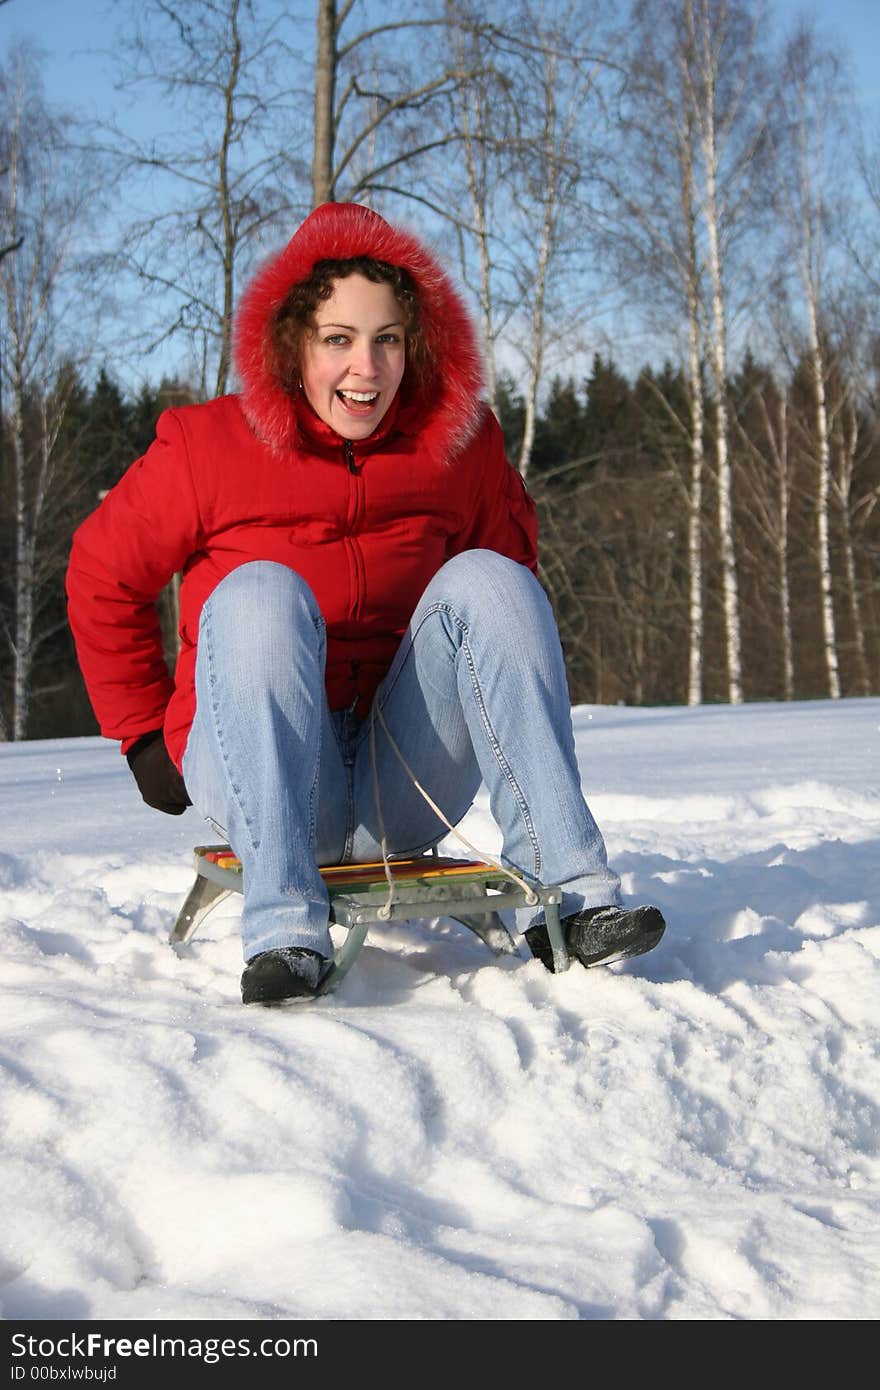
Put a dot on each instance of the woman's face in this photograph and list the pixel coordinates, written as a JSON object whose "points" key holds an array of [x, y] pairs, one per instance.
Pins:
{"points": [[353, 361]]}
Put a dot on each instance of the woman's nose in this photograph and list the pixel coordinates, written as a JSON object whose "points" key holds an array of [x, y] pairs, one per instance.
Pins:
{"points": [[364, 358]]}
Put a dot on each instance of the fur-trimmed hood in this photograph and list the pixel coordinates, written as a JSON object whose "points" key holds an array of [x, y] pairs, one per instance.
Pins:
{"points": [[445, 411]]}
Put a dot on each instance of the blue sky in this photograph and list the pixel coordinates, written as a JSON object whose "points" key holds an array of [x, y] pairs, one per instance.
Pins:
{"points": [[78, 38], [78, 74], [856, 25]]}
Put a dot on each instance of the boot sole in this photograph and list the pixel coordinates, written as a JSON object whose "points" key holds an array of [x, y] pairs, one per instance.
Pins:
{"points": [[647, 939], [292, 996]]}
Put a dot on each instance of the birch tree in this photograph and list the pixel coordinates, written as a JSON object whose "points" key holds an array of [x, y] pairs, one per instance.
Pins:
{"points": [[853, 438], [219, 178], [806, 172], [768, 483], [653, 239], [682, 203], [44, 202], [726, 89], [565, 64], [524, 116], [483, 111], [380, 98]]}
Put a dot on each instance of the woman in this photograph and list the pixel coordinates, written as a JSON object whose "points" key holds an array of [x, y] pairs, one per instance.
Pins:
{"points": [[352, 540]]}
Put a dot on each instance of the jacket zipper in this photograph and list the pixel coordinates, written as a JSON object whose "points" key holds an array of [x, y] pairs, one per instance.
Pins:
{"points": [[355, 557]]}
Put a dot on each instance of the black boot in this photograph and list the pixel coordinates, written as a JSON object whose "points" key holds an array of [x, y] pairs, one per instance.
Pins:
{"points": [[600, 935], [291, 972]]}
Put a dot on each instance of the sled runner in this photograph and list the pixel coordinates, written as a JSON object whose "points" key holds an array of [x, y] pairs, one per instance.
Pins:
{"points": [[467, 890]]}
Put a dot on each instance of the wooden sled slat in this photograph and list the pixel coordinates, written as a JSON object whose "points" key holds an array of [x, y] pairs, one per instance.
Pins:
{"points": [[426, 886]]}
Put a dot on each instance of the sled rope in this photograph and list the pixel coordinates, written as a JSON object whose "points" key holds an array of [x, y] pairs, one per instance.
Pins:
{"points": [[385, 911]]}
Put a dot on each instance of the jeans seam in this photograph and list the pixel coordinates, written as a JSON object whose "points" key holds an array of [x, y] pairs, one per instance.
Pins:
{"points": [[321, 634], [495, 745], [215, 710]]}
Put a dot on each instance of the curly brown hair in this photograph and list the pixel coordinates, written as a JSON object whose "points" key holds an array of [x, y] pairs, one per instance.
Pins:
{"points": [[296, 317]]}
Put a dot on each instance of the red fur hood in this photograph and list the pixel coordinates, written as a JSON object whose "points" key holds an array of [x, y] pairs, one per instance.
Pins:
{"points": [[446, 411]]}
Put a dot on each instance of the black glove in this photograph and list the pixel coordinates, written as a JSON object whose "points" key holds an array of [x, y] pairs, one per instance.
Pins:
{"points": [[161, 785]]}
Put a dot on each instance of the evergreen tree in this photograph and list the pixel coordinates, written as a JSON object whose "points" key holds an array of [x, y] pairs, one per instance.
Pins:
{"points": [[510, 407], [109, 439], [560, 436], [610, 424], [660, 403]]}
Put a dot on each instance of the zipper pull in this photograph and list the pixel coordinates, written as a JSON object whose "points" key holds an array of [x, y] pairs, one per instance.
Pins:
{"points": [[349, 456]]}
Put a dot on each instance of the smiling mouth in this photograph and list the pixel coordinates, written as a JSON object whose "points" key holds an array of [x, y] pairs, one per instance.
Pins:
{"points": [[360, 401]]}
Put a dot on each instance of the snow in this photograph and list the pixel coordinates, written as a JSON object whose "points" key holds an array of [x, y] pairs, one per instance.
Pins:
{"points": [[693, 1134]]}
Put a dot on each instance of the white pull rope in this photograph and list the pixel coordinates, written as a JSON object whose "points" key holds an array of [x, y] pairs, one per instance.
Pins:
{"points": [[385, 909], [385, 912]]}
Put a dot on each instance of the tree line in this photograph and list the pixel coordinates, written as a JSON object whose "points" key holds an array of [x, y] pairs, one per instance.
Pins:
{"points": [[611, 470], [665, 214]]}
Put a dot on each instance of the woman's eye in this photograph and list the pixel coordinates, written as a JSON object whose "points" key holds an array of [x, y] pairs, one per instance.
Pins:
{"points": [[343, 339]]}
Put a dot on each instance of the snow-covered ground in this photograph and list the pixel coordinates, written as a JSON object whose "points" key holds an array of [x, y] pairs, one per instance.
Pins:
{"points": [[693, 1134]]}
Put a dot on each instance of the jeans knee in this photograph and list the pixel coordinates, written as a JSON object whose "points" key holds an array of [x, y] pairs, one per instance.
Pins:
{"points": [[258, 590], [261, 621], [487, 581]]}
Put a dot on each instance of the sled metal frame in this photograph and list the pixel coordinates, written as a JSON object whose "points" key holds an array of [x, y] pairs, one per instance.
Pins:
{"points": [[470, 892]]}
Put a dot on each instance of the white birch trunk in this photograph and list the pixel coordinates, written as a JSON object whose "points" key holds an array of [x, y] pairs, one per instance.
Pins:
{"points": [[536, 354], [23, 596], [554, 142], [229, 240], [823, 448], [32, 484], [823, 490], [706, 120], [784, 503], [695, 525], [697, 418], [28, 281], [864, 685], [844, 490], [777, 441], [802, 187], [477, 188], [725, 476]]}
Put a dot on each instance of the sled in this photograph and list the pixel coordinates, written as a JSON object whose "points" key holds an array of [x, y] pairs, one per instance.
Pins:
{"points": [[469, 891]]}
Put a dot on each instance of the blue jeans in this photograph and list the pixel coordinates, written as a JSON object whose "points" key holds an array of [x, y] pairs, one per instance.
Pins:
{"points": [[477, 693]]}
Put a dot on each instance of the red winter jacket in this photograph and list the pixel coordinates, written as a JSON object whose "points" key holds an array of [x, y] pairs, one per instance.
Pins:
{"points": [[258, 476]]}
